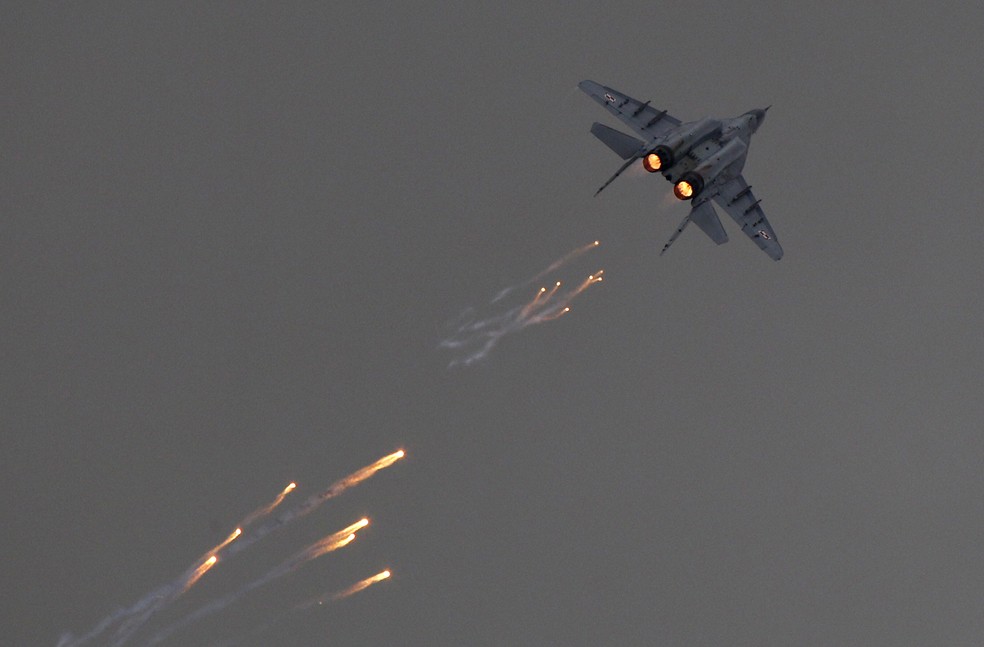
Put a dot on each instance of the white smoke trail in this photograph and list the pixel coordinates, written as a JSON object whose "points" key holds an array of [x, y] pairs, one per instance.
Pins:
{"points": [[475, 336], [125, 622], [321, 547]]}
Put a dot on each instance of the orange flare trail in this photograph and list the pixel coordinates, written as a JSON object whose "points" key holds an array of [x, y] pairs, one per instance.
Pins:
{"points": [[532, 304], [334, 541], [267, 509], [327, 545], [361, 475], [312, 502], [358, 586], [228, 540], [201, 570], [358, 525], [566, 258], [552, 292], [556, 315], [593, 278]]}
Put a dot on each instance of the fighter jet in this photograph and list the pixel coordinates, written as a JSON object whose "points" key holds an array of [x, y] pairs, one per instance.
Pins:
{"points": [[702, 159]]}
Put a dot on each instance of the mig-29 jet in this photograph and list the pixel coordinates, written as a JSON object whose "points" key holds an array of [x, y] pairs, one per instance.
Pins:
{"points": [[703, 159]]}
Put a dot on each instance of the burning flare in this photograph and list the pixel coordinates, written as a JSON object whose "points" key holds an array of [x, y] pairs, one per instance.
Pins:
{"points": [[201, 570], [367, 471], [358, 586], [475, 336], [334, 541], [267, 509], [117, 628]]}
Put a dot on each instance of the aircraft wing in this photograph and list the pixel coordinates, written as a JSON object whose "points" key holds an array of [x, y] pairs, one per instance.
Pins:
{"points": [[735, 197], [640, 116]]}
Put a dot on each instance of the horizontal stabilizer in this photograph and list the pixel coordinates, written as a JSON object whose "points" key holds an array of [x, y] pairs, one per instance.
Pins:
{"points": [[704, 217], [625, 146]]}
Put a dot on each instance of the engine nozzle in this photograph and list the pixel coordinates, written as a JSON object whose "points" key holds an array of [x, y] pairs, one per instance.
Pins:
{"points": [[688, 186], [658, 159]]}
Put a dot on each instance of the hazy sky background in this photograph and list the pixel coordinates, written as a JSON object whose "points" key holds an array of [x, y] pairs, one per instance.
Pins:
{"points": [[231, 238]]}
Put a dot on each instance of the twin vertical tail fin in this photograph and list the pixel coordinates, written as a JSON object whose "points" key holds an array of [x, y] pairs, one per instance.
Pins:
{"points": [[704, 216], [625, 146]]}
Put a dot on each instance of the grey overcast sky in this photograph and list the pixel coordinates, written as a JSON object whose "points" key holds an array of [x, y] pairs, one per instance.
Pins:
{"points": [[232, 236]]}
